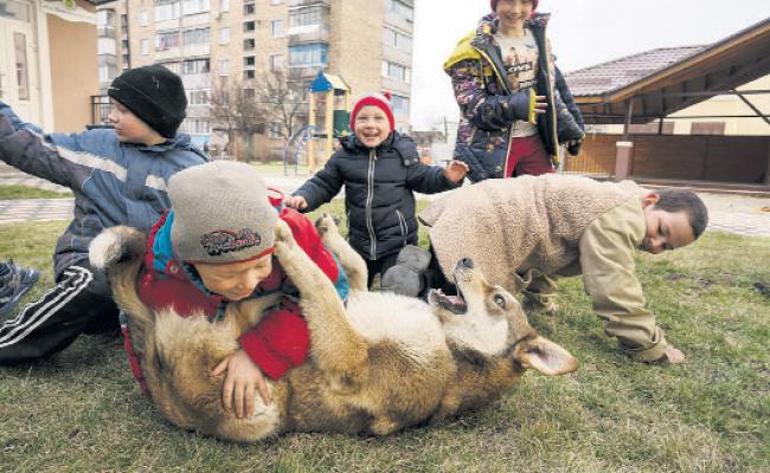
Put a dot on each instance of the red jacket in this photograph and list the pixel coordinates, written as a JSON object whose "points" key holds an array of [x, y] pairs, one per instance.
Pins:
{"points": [[280, 341]]}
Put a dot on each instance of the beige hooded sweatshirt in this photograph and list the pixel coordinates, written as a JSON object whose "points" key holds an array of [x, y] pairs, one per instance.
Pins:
{"points": [[556, 225]]}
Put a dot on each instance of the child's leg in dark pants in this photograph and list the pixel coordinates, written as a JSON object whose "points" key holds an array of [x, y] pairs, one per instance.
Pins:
{"points": [[379, 266], [81, 302]]}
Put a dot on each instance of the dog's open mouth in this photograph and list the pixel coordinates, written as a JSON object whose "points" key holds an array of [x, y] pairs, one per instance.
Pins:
{"points": [[454, 304]]}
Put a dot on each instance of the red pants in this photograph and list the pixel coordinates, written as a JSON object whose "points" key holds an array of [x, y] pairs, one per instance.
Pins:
{"points": [[528, 156]]}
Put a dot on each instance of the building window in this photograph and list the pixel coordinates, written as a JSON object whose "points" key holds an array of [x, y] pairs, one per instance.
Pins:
{"points": [[198, 97], [396, 39], [309, 55], [224, 35], [16, 10], [224, 67], [249, 26], [393, 70], [276, 62], [249, 44], [174, 67], [22, 70], [195, 126], [166, 39], [196, 36], [195, 66], [274, 130], [400, 9], [276, 28], [166, 10], [305, 17], [144, 18], [249, 9], [249, 61], [224, 5], [249, 93], [248, 75], [144, 47], [707, 128], [399, 104], [191, 7]]}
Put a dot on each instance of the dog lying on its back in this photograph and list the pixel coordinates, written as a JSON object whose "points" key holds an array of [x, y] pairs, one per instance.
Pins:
{"points": [[380, 364]]}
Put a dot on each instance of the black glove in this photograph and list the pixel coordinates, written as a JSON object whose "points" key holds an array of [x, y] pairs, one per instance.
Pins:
{"points": [[520, 104]]}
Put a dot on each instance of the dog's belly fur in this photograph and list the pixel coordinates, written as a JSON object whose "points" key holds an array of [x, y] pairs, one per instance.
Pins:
{"points": [[408, 368]]}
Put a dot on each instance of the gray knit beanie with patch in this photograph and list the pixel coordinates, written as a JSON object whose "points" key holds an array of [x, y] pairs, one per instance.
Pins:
{"points": [[221, 213]]}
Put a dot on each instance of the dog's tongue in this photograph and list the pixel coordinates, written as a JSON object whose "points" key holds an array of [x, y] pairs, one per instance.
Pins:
{"points": [[456, 300]]}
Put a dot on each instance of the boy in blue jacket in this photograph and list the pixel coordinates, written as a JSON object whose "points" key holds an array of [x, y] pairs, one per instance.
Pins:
{"points": [[118, 177]]}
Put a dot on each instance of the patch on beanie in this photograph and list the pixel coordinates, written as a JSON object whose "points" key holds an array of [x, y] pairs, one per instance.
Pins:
{"points": [[223, 241]]}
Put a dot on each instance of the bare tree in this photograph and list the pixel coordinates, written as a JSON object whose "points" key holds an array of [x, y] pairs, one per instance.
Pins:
{"points": [[234, 111], [282, 100]]}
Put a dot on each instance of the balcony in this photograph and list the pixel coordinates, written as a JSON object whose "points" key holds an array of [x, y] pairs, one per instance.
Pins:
{"points": [[107, 31], [308, 3], [318, 33]]}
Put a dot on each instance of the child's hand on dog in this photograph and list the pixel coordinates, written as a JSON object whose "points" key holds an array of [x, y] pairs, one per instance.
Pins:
{"points": [[456, 171], [296, 202], [241, 383]]}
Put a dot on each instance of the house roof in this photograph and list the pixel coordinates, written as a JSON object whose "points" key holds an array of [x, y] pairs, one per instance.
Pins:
{"points": [[662, 81], [616, 74]]}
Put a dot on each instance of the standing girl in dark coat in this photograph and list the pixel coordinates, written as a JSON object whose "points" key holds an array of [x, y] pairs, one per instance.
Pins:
{"points": [[515, 105], [380, 169]]}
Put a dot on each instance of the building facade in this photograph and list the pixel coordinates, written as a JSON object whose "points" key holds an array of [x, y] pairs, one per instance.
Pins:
{"points": [[48, 62], [368, 43]]}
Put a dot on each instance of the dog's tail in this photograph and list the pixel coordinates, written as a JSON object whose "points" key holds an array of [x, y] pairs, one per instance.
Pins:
{"points": [[119, 252]]}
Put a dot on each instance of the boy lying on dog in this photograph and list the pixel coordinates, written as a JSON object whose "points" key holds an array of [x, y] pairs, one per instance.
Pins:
{"points": [[523, 231], [215, 246]]}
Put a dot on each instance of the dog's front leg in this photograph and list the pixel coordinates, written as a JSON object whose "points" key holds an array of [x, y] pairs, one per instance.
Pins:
{"points": [[352, 263], [336, 348]]}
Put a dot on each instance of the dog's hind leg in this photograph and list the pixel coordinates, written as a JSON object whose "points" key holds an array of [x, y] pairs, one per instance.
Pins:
{"points": [[336, 348], [352, 263]]}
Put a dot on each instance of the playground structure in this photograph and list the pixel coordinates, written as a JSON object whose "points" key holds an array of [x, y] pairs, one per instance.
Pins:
{"points": [[331, 92]]}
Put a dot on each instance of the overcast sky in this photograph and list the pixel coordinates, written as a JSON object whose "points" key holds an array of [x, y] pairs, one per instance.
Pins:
{"points": [[582, 32]]}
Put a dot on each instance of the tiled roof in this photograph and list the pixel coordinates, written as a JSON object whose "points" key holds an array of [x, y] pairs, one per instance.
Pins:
{"points": [[613, 75]]}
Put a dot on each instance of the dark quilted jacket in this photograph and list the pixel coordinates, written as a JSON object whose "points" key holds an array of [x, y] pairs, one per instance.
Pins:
{"points": [[379, 185]]}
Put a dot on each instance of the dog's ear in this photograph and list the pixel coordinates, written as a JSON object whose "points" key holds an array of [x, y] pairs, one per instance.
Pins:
{"points": [[545, 356]]}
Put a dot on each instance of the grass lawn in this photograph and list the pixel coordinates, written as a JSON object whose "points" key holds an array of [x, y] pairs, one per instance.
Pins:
{"points": [[81, 411], [15, 192]]}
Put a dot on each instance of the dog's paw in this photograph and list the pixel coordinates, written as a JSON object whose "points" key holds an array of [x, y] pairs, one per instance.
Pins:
{"points": [[327, 224]]}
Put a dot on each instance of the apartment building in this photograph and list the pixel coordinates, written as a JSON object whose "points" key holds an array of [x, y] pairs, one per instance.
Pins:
{"points": [[368, 43]]}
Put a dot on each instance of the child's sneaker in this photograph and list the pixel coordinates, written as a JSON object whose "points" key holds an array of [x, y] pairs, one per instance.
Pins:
{"points": [[15, 281], [407, 276]]}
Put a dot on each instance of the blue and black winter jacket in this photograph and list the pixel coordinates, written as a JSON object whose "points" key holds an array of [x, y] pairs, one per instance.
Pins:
{"points": [[114, 183]]}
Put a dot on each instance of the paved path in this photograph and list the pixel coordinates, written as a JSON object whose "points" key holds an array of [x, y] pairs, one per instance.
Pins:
{"points": [[727, 212]]}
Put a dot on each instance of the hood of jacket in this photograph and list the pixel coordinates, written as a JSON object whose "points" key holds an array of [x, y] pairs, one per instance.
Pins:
{"points": [[482, 37]]}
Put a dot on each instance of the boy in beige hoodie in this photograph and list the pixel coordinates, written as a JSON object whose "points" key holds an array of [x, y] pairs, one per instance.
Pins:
{"points": [[521, 232]]}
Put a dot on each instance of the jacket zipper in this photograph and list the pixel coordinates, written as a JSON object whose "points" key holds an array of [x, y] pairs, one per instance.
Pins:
{"points": [[507, 87], [403, 225], [369, 199]]}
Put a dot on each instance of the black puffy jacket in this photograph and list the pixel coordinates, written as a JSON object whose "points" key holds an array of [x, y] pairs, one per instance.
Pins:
{"points": [[379, 185]]}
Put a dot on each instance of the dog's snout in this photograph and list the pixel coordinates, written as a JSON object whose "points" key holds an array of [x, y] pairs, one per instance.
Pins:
{"points": [[466, 263]]}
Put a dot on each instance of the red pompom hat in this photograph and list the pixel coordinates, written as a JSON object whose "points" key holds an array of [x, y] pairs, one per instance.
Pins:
{"points": [[493, 4], [381, 101]]}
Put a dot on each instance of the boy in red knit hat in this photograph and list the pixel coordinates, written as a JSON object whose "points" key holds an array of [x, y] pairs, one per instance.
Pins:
{"points": [[380, 169], [215, 247]]}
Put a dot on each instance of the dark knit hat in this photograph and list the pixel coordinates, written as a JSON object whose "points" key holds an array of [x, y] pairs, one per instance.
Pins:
{"points": [[221, 213], [493, 4], [381, 101], [154, 94]]}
